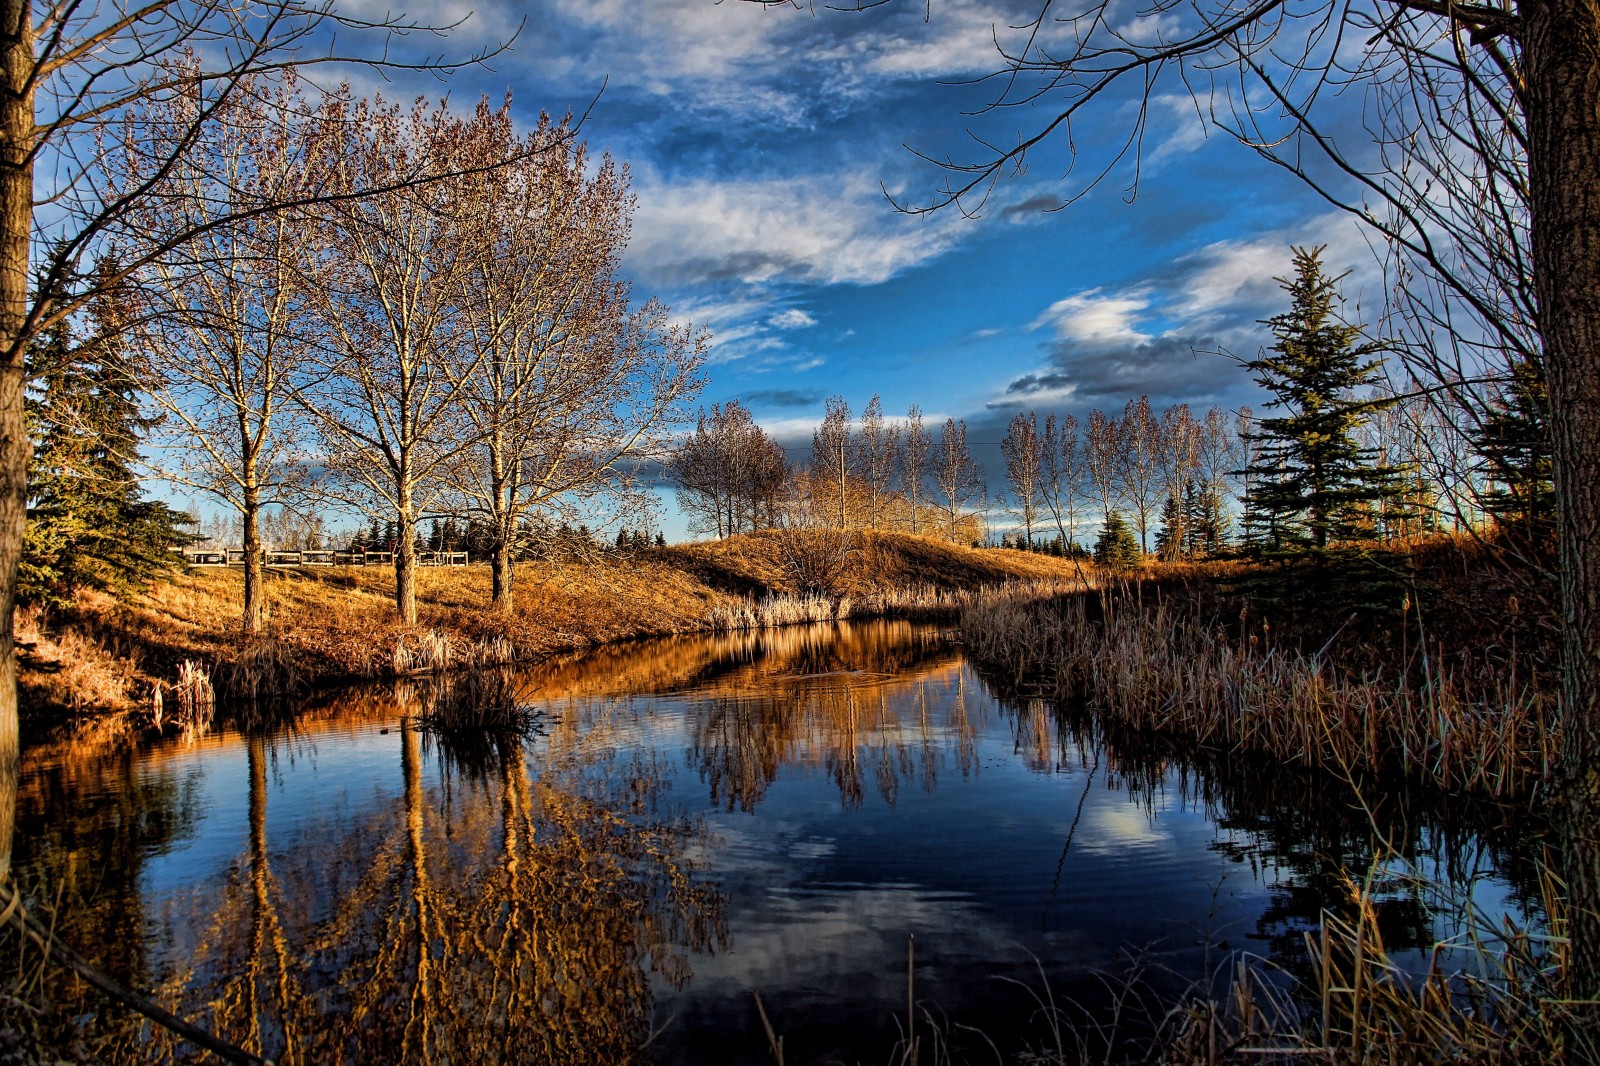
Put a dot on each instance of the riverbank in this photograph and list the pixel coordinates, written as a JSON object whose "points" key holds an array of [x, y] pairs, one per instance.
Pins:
{"points": [[95, 666], [1448, 680]]}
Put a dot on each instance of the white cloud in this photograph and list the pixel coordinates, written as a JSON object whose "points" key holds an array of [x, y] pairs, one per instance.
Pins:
{"points": [[793, 318], [817, 229], [1097, 316]]}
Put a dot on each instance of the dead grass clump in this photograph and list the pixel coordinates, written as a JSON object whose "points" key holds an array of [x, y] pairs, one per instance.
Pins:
{"points": [[194, 699], [265, 668], [781, 609], [427, 652], [480, 700]]}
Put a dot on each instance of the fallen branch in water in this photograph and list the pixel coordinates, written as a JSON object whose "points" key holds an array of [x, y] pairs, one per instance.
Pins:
{"points": [[12, 912]]}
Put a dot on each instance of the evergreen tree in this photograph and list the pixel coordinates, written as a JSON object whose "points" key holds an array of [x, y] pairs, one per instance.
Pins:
{"points": [[1312, 483], [1514, 448], [88, 523], [1117, 547]]}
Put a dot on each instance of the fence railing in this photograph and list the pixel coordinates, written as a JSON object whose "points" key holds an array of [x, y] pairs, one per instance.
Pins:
{"points": [[322, 557]]}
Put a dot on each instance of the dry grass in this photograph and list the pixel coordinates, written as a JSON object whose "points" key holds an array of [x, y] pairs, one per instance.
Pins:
{"points": [[1159, 666], [340, 623]]}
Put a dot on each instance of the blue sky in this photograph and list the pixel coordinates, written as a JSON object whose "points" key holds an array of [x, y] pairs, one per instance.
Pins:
{"points": [[761, 141]]}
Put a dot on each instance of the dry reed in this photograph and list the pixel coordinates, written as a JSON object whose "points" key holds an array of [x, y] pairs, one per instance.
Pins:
{"points": [[1162, 668]]}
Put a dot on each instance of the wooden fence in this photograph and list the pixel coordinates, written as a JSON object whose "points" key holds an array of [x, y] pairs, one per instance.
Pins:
{"points": [[235, 557]]}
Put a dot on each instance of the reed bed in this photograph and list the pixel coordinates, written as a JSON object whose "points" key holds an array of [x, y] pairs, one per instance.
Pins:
{"points": [[779, 609], [1163, 667], [921, 600], [419, 653], [195, 699], [1492, 994]]}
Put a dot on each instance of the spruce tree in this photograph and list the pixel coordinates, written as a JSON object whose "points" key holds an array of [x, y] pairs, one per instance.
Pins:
{"points": [[1513, 445], [1312, 483], [88, 523], [1117, 547]]}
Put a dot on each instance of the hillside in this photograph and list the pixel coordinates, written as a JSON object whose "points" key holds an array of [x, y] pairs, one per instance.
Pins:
{"points": [[101, 656]]}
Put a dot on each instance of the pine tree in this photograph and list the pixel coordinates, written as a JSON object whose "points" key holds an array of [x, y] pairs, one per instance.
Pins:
{"points": [[88, 523], [1514, 447], [1312, 483], [1117, 547]]}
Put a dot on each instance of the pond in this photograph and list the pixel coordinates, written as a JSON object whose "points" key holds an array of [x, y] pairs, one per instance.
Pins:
{"points": [[808, 814]]}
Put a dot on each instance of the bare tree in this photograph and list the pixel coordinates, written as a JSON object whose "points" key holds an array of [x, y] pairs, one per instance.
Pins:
{"points": [[956, 474], [1022, 448], [832, 457], [877, 448], [72, 71], [384, 286], [224, 337], [914, 463], [1062, 474], [1103, 462], [561, 384], [1141, 463], [730, 472]]}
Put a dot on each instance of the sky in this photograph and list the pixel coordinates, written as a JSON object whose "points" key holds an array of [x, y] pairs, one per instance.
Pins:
{"points": [[765, 144]]}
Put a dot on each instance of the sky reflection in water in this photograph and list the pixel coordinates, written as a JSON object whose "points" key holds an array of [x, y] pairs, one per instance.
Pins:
{"points": [[702, 819]]}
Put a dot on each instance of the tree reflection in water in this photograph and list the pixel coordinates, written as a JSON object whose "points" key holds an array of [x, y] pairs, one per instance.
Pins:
{"points": [[516, 913], [509, 901], [1307, 836]]}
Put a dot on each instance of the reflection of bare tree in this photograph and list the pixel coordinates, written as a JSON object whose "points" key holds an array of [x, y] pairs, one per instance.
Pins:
{"points": [[515, 911], [863, 729]]}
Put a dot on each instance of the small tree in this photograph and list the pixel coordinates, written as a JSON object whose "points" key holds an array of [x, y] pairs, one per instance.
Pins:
{"points": [[914, 463], [729, 472], [957, 476], [1312, 482], [1116, 547], [1022, 450], [832, 458]]}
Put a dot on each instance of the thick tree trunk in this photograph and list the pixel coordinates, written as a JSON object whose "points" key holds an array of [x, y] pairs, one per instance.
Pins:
{"points": [[254, 601], [16, 219], [500, 574], [1561, 51]]}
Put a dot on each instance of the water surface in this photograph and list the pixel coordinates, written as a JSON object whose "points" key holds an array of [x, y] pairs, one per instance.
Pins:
{"points": [[796, 813]]}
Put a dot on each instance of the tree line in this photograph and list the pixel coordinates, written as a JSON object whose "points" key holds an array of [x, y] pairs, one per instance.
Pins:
{"points": [[1337, 458]]}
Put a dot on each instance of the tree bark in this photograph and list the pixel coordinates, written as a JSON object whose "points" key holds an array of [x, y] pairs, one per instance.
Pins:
{"points": [[1561, 52], [254, 613], [405, 565], [16, 220], [500, 574]]}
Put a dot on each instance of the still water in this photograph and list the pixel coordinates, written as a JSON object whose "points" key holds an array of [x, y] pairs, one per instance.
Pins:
{"points": [[797, 813]]}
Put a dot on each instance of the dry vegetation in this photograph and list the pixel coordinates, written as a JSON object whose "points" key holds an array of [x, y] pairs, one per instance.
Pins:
{"points": [[331, 624], [1426, 691]]}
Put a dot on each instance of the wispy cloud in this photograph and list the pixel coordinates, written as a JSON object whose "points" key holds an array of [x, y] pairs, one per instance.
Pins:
{"points": [[819, 229], [793, 318]]}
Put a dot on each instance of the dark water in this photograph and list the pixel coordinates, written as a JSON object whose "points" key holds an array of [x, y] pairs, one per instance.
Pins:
{"points": [[702, 820]]}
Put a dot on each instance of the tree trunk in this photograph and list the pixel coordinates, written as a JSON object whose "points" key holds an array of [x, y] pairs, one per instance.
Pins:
{"points": [[16, 217], [500, 574], [405, 564], [1561, 52], [254, 601]]}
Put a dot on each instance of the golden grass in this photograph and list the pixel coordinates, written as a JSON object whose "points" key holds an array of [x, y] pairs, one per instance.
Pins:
{"points": [[338, 623], [1159, 666]]}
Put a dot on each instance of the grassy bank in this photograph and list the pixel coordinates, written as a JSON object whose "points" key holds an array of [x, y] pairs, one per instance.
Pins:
{"points": [[1435, 687], [96, 665]]}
